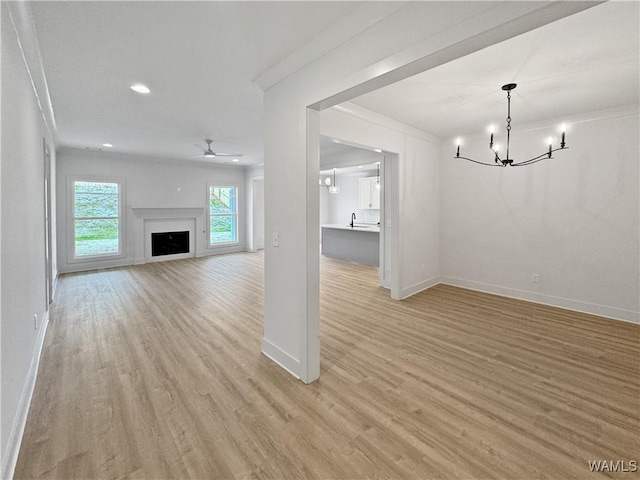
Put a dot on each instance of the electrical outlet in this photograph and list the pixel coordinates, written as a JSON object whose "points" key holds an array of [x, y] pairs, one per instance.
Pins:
{"points": [[35, 321], [534, 278], [275, 239]]}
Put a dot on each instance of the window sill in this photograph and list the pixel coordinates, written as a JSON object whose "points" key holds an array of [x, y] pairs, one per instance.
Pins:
{"points": [[97, 258], [222, 245]]}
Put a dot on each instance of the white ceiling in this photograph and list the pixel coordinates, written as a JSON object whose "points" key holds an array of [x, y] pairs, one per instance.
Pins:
{"points": [[346, 157], [583, 63], [200, 59], [365, 169]]}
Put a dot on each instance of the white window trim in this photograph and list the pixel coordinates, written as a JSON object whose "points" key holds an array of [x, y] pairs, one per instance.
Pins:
{"points": [[208, 216], [71, 234]]}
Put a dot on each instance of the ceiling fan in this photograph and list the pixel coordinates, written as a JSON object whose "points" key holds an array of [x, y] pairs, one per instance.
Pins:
{"points": [[207, 152]]}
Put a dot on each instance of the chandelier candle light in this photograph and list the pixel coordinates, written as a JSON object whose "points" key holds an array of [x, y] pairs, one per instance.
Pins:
{"points": [[503, 162]]}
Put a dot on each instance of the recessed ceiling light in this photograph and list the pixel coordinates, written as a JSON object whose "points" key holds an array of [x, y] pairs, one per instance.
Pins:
{"points": [[138, 87], [360, 166], [235, 160], [108, 145], [377, 150]]}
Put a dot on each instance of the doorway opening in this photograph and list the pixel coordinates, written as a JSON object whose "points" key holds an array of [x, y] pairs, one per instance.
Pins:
{"points": [[352, 203]]}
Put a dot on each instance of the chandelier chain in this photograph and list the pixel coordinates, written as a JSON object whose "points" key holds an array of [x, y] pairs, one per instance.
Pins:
{"points": [[508, 121]]}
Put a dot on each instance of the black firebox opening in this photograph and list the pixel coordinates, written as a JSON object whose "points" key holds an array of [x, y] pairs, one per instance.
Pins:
{"points": [[169, 243]]}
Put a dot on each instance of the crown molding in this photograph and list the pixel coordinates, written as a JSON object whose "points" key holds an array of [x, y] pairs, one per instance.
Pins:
{"points": [[72, 152], [382, 120], [576, 119], [22, 21]]}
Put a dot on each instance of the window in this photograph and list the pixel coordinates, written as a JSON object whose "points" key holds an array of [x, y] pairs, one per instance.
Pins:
{"points": [[223, 215], [96, 218]]}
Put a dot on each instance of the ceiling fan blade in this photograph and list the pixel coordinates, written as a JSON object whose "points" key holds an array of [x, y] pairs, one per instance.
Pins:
{"points": [[200, 147], [198, 155], [227, 154]]}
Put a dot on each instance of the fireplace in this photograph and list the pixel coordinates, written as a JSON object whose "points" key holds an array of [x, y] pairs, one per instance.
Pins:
{"points": [[169, 243], [169, 239], [175, 222]]}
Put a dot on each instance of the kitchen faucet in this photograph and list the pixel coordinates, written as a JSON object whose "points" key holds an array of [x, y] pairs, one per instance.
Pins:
{"points": [[353, 217]]}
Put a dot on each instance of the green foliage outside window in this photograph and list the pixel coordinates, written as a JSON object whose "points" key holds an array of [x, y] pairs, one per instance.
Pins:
{"points": [[96, 218], [223, 215]]}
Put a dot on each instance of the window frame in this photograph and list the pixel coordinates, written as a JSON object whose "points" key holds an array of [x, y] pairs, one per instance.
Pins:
{"points": [[236, 214], [72, 257]]}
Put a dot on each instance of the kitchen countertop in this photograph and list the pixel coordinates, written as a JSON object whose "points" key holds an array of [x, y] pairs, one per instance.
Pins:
{"points": [[358, 227]]}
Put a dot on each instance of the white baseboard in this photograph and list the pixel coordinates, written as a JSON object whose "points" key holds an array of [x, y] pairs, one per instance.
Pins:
{"points": [[168, 258], [83, 267], [87, 266], [10, 457], [281, 357], [419, 287], [575, 305], [220, 251]]}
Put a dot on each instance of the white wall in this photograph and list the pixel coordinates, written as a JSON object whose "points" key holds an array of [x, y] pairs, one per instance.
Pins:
{"points": [[325, 209], [380, 43], [149, 182], [334, 208], [341, 205], [346, 202], [22, 264], [573, 220]]}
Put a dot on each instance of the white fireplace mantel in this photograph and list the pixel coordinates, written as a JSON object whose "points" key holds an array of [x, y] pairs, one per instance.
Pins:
{"points": [[151, 219], [167, 212]]}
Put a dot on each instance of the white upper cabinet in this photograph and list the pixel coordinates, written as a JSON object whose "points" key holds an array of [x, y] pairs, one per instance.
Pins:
{"points": [[365, 193], [369, 193]]}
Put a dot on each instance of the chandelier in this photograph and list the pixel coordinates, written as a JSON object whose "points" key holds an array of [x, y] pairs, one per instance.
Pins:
{"points": [[494, 147]]}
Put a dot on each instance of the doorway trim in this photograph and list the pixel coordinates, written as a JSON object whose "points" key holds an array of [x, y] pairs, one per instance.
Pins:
{"points": [[48, 231], [255, 232], [389, 225]]}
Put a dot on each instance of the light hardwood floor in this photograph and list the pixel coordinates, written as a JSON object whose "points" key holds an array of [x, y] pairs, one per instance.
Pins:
{"points": [[155, 371]]}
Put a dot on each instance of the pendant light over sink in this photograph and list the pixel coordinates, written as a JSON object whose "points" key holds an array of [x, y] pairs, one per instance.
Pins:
{"points": [[334, 188], [331, 186]]}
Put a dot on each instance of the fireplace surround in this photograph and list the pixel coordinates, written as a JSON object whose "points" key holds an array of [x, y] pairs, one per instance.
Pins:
{"points": [[151, 221]]}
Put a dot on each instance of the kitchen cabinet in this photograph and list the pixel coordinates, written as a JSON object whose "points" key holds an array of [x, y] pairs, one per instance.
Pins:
{"points": [[369, 193]]}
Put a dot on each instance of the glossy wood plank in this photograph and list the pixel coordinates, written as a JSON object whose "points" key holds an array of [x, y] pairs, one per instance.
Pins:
{"points": [[155, 371]]}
